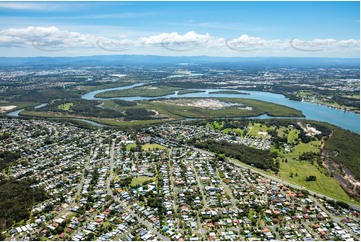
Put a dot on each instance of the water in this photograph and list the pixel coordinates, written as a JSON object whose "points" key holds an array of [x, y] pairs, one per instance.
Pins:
{"points": [[91, 95], [346, 120], [41, 105], [15, 113], [90, 122]]}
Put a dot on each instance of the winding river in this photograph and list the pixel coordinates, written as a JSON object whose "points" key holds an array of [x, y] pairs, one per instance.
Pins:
{"points": [[346, 120]]}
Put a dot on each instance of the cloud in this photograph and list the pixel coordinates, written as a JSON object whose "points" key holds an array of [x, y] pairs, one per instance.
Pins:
{"points": [[190, 43], [324, 44], [32, 6], [186, 42], [45, 38], [174, 36], [249, 43]]}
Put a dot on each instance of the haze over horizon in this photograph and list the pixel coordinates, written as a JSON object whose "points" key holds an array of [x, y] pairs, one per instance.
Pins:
{"points": [[221, 29]]}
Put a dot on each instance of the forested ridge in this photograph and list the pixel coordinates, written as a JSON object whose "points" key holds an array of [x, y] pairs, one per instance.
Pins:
{"points": [[17, 200]]}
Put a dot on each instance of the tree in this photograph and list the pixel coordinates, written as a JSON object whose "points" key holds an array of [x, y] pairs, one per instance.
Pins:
{"points": [[59, 229], [311, 178]]}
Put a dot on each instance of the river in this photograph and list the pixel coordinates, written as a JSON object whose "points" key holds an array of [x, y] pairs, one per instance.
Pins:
{"points": [[346, 120], [91, 122], [15, 113]]}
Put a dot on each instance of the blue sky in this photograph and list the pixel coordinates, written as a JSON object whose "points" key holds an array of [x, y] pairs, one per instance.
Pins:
{"points": [[329, 29]]}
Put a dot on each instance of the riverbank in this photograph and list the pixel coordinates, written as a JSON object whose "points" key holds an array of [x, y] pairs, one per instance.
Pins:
{"points": [[345, 120]]}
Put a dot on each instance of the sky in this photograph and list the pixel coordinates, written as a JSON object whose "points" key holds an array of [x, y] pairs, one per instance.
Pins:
{"points": [[234, 29]]}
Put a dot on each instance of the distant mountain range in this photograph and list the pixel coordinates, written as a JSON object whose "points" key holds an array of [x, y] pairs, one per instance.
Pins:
{"points": [[106, 60]]}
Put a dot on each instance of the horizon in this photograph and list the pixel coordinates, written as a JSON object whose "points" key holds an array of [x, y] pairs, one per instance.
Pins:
{"points": [[184, 56], [212, 29]]}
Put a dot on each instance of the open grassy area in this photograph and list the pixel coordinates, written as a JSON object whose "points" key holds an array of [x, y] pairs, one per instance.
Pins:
{"points": [[297, 171], [141, 179], [256, 128], [238, 131], [292, 135], [324, 184], [353, 96], [3, 102], [129, 146], [152, 147], [65, 106], [19, 105]]}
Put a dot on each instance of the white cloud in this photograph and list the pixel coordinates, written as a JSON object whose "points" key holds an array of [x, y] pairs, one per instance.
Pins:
{"points": [[45, 38], [177, 42], [191, 43], [174, 36], [249, 43], [32, 6], [330, 45]]}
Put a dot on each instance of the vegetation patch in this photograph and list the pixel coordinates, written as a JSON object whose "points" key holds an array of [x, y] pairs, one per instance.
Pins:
{"points": [[187, 91], [176, 109], [344, 147], [17, 198], [129, 146], [229, 92], [8, 158], [80, 107], [138, 114], [142, 91], [140, 180], [152, 147], [254, 157], [65, 106]]}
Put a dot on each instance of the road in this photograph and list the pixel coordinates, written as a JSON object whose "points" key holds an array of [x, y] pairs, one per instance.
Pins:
{"points": [[125, 206], [172, 188], [228, 191], [203, 233], [200, 186]]}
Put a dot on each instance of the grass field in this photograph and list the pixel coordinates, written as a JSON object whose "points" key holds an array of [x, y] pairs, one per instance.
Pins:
{"points": [[132, 145], [292, 135], [297, 171], [65, 106], [257, 127], [3, 102], [19, 105], [324, 184], [141, 179], [152, 147], [238, 131]]}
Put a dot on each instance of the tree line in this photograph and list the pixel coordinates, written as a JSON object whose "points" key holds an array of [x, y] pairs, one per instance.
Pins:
{"points": [[259, 158]]}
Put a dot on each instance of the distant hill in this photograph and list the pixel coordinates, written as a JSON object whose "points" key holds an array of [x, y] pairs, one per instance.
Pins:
{"points": [[104, 60]]}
